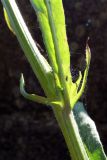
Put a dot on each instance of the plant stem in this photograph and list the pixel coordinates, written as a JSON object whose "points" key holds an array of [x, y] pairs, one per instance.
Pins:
{"points": [[65, 115], [71, 134]]}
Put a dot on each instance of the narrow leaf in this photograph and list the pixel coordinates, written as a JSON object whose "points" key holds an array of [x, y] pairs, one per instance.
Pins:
{"points": [[89, 133], [51, 17], [8, 21], [78, 94], [38, 63], [57, 25], [41, 12], [29, 96]]}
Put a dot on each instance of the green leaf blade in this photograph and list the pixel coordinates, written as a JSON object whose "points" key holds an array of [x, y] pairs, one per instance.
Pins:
{"points": [[41, 12], [40, 66], [89, 133], [8, 21], [54, 34], [60, 43], [58, 16]]}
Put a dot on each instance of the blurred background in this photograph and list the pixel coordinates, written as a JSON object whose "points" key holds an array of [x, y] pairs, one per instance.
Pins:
{"points": [[29, 131]]}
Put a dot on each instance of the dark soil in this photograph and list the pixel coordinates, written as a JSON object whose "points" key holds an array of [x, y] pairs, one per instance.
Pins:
{"points": [[29, 131]]}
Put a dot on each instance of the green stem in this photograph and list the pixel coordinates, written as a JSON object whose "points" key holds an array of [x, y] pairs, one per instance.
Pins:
{"points": [[71, 134], [65, 116]]}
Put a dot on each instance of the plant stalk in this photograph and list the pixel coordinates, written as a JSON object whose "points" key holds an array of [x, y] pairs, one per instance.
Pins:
{"points": [[71, 134]]}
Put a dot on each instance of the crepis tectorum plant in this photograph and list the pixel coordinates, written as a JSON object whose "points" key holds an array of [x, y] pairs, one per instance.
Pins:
{"points": [[55, 77]]}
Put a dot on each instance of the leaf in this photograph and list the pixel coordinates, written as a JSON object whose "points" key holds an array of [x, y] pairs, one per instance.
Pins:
{"points": [[37, 98], [89, 133], [77, 94], [41, 12], [29, 96], [55, 9], [57, 24], [39, 64], [8, 21], [52, 21]]}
